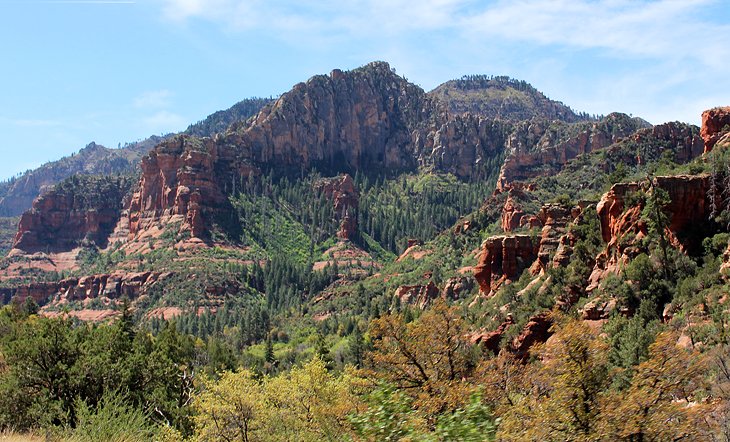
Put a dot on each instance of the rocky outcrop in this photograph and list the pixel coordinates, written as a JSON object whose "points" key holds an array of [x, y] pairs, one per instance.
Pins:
{"points": [[365, 119], [690, 204], [82, 208], [537, 330], [611, 210], [554, 219], [683, 139], [464, 145], [504, 258], [491, 340], [40, 292], [597, 309], [622, 225], [512, 214], [183, 180], [417, 295], [341, 190], [537, 148], [112, 286], [355, 119], [455, 287], [715, 124]]}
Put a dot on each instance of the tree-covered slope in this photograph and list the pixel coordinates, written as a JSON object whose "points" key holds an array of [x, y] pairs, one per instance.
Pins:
{"points": [[479, 280], [503, 98]]}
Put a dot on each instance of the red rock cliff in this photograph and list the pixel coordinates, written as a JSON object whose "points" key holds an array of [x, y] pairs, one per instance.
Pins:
{"points": [[183, 180], [80, 208], [715, 124], [504, 258], [622, 225]]}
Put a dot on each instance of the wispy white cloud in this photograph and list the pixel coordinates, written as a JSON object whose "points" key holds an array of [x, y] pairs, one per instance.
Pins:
{"points": [[634, 55], [653, 28], [153, 99], [666, 29]]}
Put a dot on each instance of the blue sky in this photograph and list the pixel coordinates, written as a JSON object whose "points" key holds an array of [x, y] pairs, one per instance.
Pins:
{"points": [[112, 71]]}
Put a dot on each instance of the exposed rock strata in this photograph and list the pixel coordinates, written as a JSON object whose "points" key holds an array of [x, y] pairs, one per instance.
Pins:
{"points": [[537, 148], [622, 226], [112, 286], [80, 209]]}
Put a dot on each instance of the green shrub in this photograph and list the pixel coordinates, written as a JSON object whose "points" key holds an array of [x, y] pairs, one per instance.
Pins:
{"points": [[112, 420]]}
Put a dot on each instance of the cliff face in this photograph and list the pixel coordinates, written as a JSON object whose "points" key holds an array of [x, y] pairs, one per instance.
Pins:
{"points": [[347, 120], [365, 119], [80, 208], [622, 225], [554, 219], [418, 295], [504, 258], [111, 286], [536, 148], [180, 182], [715, 125]]}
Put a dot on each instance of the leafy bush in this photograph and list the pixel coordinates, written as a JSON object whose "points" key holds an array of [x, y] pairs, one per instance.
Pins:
{"points": [[112, 420]]}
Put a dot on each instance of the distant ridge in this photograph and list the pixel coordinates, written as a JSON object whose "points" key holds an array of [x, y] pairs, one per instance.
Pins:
{"points": [[503, 98], [17, 194]]}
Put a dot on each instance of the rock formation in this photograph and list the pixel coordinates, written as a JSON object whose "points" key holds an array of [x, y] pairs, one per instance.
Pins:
{"points": [[536, 330], [504, 258], [184, 180], [80, 208], [715, 124], [622, 226], [536, 148], [417, 295], [341, 190], [512, 214], [368, 118], [112, 286], [491, 340], [456, 286]]}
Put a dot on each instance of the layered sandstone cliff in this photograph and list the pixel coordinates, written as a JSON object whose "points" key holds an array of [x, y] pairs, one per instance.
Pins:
{"points": [[179, 183], [81, 208], [111, 286]]}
